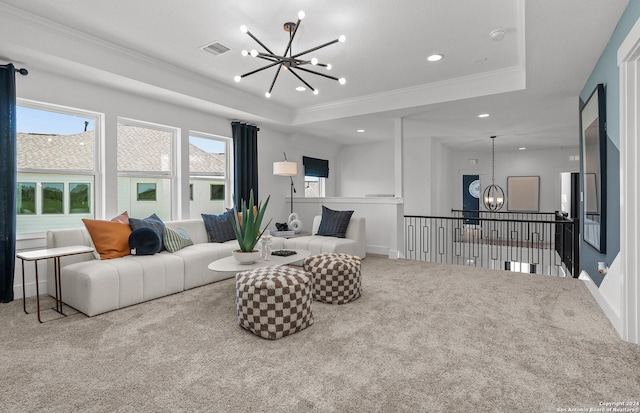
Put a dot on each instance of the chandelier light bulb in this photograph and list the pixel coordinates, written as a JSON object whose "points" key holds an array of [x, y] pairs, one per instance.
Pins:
{"points": [[243, 29], [342, 80], [254, 52], [329, 66], [245, 53], [237, 78], [314, 61], [301, 15], [267, 94], [342, 38], [315, 91]]}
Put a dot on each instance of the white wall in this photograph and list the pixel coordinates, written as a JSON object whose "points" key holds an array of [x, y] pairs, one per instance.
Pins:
{"points": [[547, 164], [365, 169]]}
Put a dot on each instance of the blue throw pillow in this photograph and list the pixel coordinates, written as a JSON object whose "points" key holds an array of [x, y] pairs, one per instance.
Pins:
{"points": [[154, 222], [145, 241], [334, 223], [220, 227]]}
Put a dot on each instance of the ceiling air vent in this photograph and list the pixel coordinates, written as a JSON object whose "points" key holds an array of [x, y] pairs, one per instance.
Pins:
{"points": [[215, 48]]}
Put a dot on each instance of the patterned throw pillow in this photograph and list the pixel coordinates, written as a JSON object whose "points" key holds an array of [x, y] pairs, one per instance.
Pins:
{"points": [[176, 239], [334, 223], [154, 222], [219, 227]]}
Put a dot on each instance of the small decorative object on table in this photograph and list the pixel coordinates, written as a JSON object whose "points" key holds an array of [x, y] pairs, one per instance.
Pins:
{"points": [[294, 223], [283, 253]]}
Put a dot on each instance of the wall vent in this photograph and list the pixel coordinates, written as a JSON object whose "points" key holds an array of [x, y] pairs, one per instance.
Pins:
{"points": [[215, 48]]}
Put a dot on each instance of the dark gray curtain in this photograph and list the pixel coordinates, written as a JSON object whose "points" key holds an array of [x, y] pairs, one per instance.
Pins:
{"points": [[245, 155], [8, 176]]}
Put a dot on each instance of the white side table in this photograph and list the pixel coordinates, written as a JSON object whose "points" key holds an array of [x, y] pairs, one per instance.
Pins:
{"points": [[45, 254]]}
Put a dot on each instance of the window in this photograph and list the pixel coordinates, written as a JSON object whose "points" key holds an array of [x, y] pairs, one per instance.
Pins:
{"points": [[57, 151], [315, 173], [146, 192], [209, 166], [52, 194], [145, 168], [26, 198], [314, 186], [79, 200], [217, 192]]}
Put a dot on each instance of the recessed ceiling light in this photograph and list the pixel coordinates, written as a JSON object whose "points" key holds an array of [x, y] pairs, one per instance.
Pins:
{"points": [[360, 131], [435, 57], [483, 115], [522, 148], [301, 88]]}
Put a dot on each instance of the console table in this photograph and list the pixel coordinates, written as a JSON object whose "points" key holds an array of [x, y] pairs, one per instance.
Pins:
{"points": [[45, 254]]}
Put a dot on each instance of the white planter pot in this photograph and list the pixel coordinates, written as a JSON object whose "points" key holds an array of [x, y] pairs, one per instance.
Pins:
{"points": [[246, 257]]}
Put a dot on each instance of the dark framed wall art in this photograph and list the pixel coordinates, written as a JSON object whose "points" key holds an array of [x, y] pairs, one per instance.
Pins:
{"points": [[593, 139]]}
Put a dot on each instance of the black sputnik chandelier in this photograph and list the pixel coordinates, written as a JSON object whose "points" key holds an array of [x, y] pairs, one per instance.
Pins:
{"points": [[292, 62]]}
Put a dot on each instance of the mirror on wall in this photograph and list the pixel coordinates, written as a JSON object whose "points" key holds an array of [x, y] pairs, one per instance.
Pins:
{"points": [[594, 155]]}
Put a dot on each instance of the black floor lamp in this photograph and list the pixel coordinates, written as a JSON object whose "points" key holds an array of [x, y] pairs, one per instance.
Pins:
{"points": [[286, 168]]}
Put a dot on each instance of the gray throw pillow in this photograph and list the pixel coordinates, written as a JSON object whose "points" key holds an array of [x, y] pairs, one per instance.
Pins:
{"points": [[219, 227], [334, 223], [154, 222]]}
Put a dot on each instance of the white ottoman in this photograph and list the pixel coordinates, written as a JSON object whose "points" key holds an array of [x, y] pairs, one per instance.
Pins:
{"points": [[275, 301], [337, 278]]}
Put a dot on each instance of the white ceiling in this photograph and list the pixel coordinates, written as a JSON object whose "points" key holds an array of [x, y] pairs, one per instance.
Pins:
{"points": [[529, 82]]}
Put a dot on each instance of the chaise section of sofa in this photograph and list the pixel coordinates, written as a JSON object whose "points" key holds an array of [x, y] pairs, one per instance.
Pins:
{"points": [[354, 242]]}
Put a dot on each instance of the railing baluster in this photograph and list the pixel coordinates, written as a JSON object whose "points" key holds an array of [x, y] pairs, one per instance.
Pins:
{"points": [[541, 243]]}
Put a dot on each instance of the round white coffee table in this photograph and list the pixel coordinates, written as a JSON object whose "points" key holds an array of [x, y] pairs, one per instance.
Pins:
{"points": [[229, 264]]}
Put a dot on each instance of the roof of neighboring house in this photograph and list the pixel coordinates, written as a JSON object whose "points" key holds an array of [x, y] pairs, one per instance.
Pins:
{"points": [[139, 149]]}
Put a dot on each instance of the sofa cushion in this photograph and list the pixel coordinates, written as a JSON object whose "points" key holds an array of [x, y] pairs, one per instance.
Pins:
{"points": [[110, 239], [122, 218], [176, 239], [154, 222], [145, 241], [219, 227], [334, 223]]}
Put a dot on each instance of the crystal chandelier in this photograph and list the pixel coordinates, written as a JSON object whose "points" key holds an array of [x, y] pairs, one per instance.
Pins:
{"points": [[290, 61]]}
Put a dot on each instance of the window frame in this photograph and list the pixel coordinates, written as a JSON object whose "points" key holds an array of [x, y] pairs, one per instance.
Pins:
{"points": [[93, 176], [227, 178], [170, 175]]}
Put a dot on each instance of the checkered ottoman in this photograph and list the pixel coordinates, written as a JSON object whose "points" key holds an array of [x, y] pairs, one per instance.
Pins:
{"points": [[336, 277], [275, 301]]}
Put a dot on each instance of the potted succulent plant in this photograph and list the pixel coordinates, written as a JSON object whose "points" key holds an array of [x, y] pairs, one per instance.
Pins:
{"points": [[246, 224]]}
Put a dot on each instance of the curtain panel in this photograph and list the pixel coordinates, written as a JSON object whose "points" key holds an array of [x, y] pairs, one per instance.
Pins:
{"points": [[8, 173], [245, 155], [315, 167]]}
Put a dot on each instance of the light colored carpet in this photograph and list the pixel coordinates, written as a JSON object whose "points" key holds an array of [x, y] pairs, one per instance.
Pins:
{"points": [[422, 338]]}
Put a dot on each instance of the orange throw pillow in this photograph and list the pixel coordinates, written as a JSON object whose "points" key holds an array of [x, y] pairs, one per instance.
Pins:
{"points": [[111, 239]]}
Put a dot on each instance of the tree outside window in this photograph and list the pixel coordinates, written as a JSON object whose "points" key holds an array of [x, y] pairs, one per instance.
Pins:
{"points": [[52, 197], [26, 198], [79, 201]]}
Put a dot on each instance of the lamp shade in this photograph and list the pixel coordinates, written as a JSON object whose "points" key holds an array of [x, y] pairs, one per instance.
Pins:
{"points": [[285, 168]]}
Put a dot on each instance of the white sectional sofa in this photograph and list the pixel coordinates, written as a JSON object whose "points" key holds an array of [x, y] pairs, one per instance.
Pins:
{"points": [[95, 286]]}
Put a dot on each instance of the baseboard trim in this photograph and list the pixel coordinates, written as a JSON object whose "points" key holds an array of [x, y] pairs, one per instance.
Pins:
{"points": [[614, 316]]}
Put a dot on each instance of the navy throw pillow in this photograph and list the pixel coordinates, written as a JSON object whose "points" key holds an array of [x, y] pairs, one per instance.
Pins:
{"points": [[334, 223], [220, 227], [145, 241], [154, 222]]}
